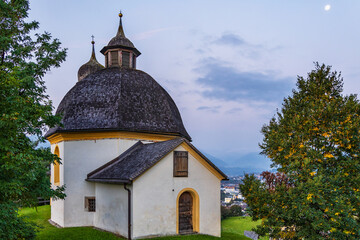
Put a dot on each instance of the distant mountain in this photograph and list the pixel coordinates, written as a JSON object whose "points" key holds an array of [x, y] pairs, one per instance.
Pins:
{"points": [[236, 165], [217, 161], [238, 171], [251, 160], [45, 144]]}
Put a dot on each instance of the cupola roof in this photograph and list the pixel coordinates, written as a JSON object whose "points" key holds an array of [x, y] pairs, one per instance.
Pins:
{"points": [[118, 99], [91, 66], [120, 41]]}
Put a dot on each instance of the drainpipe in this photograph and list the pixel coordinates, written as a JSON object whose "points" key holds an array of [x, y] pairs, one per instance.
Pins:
{"points": [[129, 211]]}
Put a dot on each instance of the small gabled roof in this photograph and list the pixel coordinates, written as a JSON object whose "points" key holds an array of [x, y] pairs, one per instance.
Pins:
{"points": [[139, 158]]}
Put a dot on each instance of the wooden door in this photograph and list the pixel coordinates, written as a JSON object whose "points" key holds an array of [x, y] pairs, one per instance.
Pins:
{"points": [[185, 213]]}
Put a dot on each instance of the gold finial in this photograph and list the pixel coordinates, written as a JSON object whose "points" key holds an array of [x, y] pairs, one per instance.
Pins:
{"points": [[92, 40], [93, 48], [120, 29]]}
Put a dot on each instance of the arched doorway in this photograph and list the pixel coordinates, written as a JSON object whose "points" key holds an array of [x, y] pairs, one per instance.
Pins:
{"points": [[187, 211]]}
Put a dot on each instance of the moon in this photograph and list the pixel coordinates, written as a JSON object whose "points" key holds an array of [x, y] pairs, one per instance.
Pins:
{"points": [[327, 7]]}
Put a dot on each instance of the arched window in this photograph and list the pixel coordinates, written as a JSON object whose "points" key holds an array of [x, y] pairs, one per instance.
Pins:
{"points": [[57, 167]]}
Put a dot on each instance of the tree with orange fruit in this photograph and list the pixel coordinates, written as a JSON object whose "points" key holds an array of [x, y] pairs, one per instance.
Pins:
{"points": [[314, 142]]}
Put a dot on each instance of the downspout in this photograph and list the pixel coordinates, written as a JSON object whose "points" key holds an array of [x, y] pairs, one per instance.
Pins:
{"points": [[129, 211]]}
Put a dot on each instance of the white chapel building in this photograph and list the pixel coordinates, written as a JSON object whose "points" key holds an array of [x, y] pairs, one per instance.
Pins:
{"points": [[127, 161]]}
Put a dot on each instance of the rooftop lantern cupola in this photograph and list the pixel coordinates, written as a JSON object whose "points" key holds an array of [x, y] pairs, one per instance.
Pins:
{"points": [[91, 66], [120, 51]]}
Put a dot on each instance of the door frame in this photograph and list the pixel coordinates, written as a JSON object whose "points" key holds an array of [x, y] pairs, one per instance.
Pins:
{"points": [[195, 209]]}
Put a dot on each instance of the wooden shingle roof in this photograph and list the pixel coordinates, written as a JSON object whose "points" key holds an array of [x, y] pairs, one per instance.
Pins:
{"points": [[119, 99]]}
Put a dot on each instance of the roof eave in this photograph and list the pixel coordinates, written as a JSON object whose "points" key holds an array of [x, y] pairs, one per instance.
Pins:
{"points": [[113, 181], [225, 177], [99, 169], [59, 130], [104, 49]]}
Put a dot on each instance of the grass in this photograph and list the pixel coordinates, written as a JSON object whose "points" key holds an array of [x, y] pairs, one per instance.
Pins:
{"points": [[49, 232], [232, 229], [237, 226]]}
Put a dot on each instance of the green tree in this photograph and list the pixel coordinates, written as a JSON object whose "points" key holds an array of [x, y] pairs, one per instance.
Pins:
{"points": [[236, 211], [222, 195], [25, 110], [225, 212], [233, 211], [314, 142]]}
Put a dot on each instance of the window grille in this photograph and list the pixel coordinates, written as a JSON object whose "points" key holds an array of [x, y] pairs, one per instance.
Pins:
{"points": [[125, 59], [114, 58], [90, 204], [134, 61]]}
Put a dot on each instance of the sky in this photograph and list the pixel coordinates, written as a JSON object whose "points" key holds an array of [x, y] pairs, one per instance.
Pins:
{"points": [[227, 64]]}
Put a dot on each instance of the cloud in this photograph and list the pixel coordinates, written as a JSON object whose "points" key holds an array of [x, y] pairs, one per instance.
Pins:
{"points": [[228, 84], [230, 39], [214, 109], [238, 45]]}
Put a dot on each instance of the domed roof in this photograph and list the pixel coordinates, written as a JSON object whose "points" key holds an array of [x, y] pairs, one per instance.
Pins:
{"points": [[119, 99], [120, 40], [91, 66]]}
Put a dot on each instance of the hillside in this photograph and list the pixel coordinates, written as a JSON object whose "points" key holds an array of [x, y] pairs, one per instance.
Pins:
{"points": [[232, 229]]}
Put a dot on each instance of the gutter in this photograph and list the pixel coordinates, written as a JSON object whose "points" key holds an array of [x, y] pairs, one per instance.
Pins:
{"points": [[129, 211]]}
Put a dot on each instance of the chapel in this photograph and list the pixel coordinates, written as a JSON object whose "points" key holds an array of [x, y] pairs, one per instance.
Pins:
{"points": [[126, 158]]}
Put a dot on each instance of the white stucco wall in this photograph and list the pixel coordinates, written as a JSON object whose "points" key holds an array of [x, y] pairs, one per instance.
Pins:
{"points": [[80, 158], [155, 195], [111, 208]]}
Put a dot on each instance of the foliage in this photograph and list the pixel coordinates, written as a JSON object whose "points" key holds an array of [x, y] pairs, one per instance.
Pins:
{"points": [[225, 212], [25, 110], [314, 142], [236, 211], [233, 211]]}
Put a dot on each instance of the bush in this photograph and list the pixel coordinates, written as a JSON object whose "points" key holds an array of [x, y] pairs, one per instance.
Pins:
{"points": [[236, 211], [233, 211]]}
